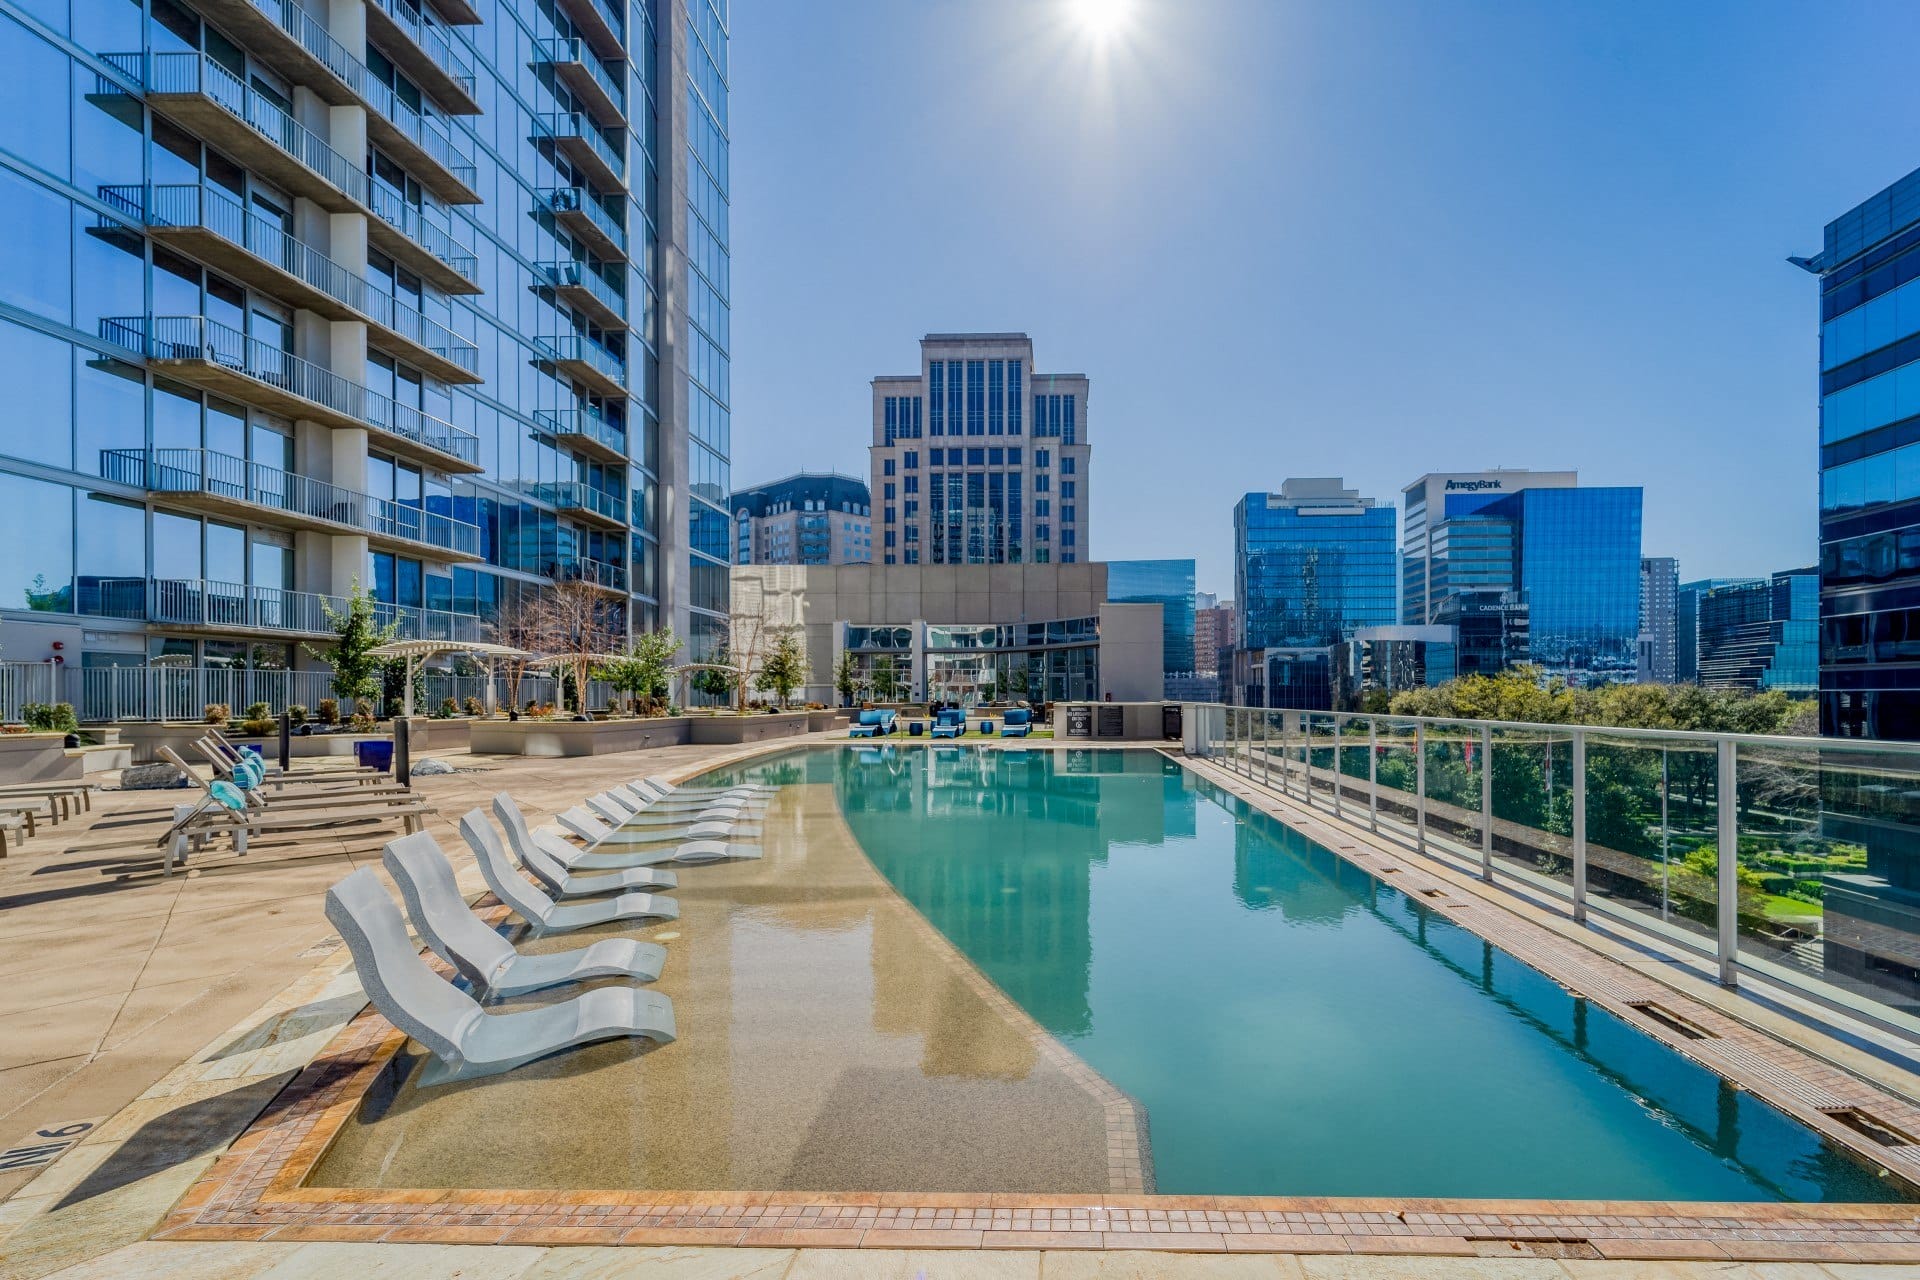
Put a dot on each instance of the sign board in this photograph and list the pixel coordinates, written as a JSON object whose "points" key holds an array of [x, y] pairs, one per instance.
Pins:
{"points": [[1079, 722], [1113, 721]]}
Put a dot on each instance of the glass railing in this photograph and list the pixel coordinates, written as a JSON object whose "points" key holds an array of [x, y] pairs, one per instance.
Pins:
{"points": [[1820, 888], [575, 348], [393, 209], [427, 624], [577, 126], [170, 73], [578, 200], [575, 495], [581, 422], [563, 52], [578, 275], [601, 13], [200, 339], [226, 217], [236, 479], [441, 51]]}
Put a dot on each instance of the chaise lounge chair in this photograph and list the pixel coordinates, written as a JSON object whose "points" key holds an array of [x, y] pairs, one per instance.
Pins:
{"points": [[520, 837], [639, 798], [588, 826], [463, 1039], [949, 722], [660, 786], [708, 845], [627, 815], [1017, 723], [277, 777], [542, 914], [485, 959], [563, 882], [871, 723]]}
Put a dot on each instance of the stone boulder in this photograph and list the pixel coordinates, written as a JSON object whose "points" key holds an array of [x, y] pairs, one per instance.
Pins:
{"points": [[427, 766], [151, 777]]}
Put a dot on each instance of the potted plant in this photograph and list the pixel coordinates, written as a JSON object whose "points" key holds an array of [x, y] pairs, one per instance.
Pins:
{"points": [[217, 713]]}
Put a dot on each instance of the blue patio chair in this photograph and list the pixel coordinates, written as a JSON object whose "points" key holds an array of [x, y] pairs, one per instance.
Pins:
{"points": [[1017, 723], [874, 722], [949, 722]]}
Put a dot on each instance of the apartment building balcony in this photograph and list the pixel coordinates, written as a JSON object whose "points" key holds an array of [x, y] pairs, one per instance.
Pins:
{"points": [[217, 106], [206, 223], [574, 135], [429, 56], [227, 608], [214, 357], [585, 290], [221, 484], [595, 573], [603, 27], [457, 12], [428, 624], [577, 211], [583, 431], [601, 89], [583, 501], [298, 45], [585, 361]]}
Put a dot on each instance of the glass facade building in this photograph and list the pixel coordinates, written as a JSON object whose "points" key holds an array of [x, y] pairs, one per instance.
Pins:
{"points": [[432, 299], [1761, 634], [1169, 584], [1870, 466]]}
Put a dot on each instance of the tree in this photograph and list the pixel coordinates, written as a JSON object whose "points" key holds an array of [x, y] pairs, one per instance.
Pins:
{"points": [[784, 668], [516, 624], [356, 674], [578, 626], [717, 680], [846, 676], [642, 670]]}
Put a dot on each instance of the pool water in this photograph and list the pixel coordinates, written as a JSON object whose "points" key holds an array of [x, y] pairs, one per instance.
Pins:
{"points": [[1290, 1025]]}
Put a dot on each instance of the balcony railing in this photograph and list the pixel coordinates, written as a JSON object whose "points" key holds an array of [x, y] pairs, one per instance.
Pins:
{"points": [[443, 53], [428, 624], [393, 209], [193, 73], [575, 278], [577, 209], [598, 19], [194, 602], [213, 209], [575, 353], [575, 62], [198, 339], [238, 480], [609, 577], [583, 424], [575, 495], [576, 135]]}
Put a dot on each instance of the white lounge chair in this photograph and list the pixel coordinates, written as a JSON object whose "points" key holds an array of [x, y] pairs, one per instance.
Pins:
{"points": [[623, 814], [485, 959], [554, 841], [466, 1041], [653, 802], [660, 786], [586, 825], [698, 846], [564, 883], [542, 914]]}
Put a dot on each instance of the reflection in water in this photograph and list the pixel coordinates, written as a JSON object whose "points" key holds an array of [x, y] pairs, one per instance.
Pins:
{"points": [[1291, 1025]]}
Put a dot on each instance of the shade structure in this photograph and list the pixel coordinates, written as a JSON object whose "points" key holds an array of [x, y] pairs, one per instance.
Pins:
{"points": [[414, 650]]}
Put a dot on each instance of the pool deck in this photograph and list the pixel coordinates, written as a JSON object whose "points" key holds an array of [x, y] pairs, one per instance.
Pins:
{"points": [[117, 1004]]}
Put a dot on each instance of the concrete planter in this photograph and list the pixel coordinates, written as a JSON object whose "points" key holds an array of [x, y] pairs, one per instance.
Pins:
{"points": [[147, 737], [734, 730], [821, 721], [425, 734], [38, 757], [575, 737]]}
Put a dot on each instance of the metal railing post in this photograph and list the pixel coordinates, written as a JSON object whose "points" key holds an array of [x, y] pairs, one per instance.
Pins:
{"points": [[1373, 774], [1285, 790], [1579, 826], [1727, 796], [1486, 802], [1420, 786], [1266, 749], [1336, 766], [1306, 758]]}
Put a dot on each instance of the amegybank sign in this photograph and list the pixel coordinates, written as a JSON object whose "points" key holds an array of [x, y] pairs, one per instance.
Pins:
{"points": [[1474, 486]]}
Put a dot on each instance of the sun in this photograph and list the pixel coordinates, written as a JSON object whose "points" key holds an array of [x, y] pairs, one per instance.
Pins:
{"points": [[1100, 18]]}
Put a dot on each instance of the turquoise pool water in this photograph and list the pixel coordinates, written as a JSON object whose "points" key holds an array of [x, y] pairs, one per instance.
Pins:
{"points": [[1291, 1025]]}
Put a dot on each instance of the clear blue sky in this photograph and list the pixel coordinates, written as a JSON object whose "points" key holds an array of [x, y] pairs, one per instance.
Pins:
{"points": [[1287, 238]]}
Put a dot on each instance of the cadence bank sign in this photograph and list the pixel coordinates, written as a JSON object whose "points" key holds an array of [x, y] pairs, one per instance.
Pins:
{"points": [[1474, 486]]}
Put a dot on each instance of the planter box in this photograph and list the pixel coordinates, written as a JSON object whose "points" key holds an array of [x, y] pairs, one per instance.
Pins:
{"points": [[426, 735], [821, 721], [147, 737], [575, 737], [734, 730], [38, 757]]}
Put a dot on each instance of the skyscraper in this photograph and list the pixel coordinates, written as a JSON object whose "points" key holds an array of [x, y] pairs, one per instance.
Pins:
{"points": [[810, 518], [296, 302], [1870, 465], [1169, 584], [1762, 634], [1312, 563], [1686, 623], [977, 459], [1659, 586]]}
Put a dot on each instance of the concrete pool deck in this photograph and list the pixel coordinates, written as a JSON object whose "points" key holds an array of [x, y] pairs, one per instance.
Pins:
{"points": [[122, 1178]]}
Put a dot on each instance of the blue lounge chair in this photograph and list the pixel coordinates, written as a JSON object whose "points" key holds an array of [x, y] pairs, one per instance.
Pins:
{"points": [[949, 722], [875, 722], [1017, 723]]}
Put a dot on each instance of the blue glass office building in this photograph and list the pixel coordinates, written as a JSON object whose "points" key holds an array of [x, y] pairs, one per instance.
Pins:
{"points": [[1577, 564], [1869, 266], [430, 298], [1761, 634], [1169, 584]]}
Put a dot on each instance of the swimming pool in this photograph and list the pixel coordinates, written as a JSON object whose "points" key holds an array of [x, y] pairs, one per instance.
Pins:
{"points": [[1289, 1024]]}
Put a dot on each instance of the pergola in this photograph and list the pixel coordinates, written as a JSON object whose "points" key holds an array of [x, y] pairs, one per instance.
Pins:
{"points": [[414, 650], [559, 660], [680, 673]]}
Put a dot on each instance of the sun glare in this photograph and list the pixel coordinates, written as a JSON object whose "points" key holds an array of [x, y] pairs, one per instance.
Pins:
{"points": [[1100, 18]]}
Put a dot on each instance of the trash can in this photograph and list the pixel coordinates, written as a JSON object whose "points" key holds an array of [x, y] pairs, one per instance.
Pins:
{"points": [[374, 755]]}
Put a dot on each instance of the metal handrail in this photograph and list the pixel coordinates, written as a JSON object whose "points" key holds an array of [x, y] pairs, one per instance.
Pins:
{"points": [[571, 274], [195, 205], [393, 209], [580, 496], [581, 200], [443, 52], [223, 475], [579, 348], [198, 338], [577, 50], [582, 422], [577, 124]]}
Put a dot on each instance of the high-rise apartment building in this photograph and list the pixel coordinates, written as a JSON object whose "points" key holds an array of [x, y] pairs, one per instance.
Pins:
{"points": [[810, 518], [1659, 589], [1312, 563], [1870, 465], [1169, 584], [1534, 567], [1213, 631], [977, 459], [431, 299], [1762, 634]]}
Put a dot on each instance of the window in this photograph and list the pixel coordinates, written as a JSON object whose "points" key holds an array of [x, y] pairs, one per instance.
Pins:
{"points": [[1042, 483], [936, 382], [887, 491], [888, 517], [1042, 457], [1066, 513], [996, 397], [886, 467], [996, 457], [1066, 465], [1066, 488], [1013, 457], [1015, 397], [976, 397], [912, 484], [911, 459], [1043, 506]]}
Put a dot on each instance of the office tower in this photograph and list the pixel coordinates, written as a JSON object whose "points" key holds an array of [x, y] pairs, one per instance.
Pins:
{"points": [[1659, 585], [810, 518], [1169, 584], [431, 300], [1870, 466], [977, 459], [1513, 554], [1686, 622], [1312, 563], [1212, 633], [1761, 634]]}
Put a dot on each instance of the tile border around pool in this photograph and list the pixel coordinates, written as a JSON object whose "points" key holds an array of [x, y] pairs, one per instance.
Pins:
{"points": [[254, 1191]]}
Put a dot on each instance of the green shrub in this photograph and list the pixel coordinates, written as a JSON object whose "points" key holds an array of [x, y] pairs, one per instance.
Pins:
{"points": [[54, 717], [218, 713], [329, 711], [257, 711], [473, 707], [448, 709], [296, 715], [260, 728]]}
